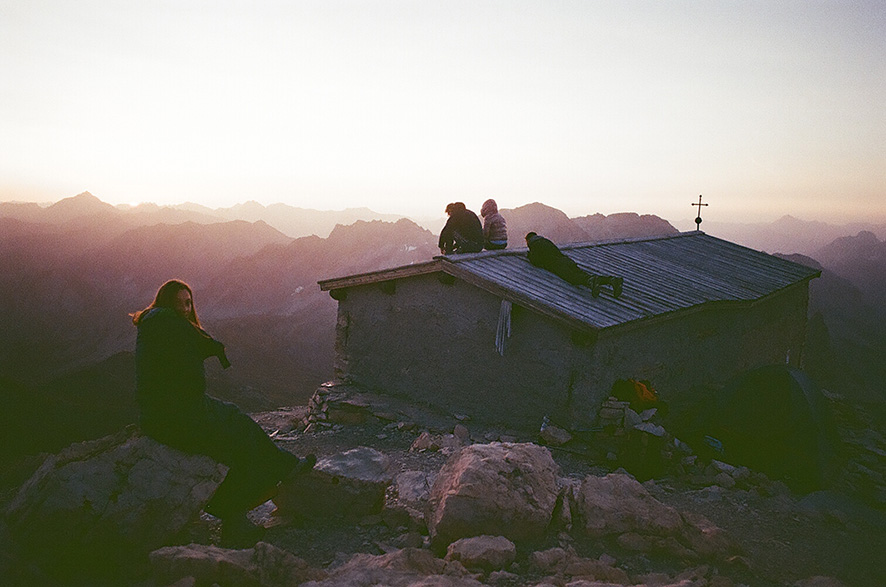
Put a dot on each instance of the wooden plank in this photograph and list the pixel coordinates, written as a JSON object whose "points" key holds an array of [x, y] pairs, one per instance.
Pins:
{"points": [[519, 298], [383, 275]]}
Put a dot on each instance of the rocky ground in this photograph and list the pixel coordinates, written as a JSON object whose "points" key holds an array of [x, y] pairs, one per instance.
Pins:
{"points": [[785, 538], [761, 533]]}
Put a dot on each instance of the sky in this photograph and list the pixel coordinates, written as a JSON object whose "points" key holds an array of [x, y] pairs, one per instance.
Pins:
{"points": [[765, 108]]}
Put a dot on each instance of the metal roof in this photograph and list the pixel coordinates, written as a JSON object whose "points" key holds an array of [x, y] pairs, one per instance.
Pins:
{"points": [[662, 275]]}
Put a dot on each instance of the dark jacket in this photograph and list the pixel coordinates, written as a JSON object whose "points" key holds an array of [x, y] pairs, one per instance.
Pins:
{"points": [[545, 254], [463, 233], [169, 375]]}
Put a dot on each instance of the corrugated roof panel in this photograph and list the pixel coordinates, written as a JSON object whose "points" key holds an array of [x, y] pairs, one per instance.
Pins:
{"points": [[661, 275]]}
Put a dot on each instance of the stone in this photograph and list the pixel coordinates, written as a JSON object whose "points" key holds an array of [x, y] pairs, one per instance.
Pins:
{"points": [[121, 493], [347, 414], [547, 560], [707, 539], [497, 489], [554, 436], [348, 485], [653, 579], [409, 540], [596, 570], [423, 442], [819, 581], [502, 578], [616, 414], [414, 487], [632, 418], [715, 467], [618, 503], [724, 480], [741, 474], [561, 563], [445, 442], [263, 565], [462, 433], [650, 428], [402, 568], [407, 503], [655, 544], [487, 553]]}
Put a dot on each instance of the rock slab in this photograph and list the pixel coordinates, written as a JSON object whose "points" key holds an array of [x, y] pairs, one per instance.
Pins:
{"points": [[122, 491], [497, 489], [347, 485], [409, 567], [487, 553], [263, 565], [617, 505]]}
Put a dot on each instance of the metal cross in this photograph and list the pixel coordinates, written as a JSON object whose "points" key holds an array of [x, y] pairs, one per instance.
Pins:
{"points": [[698, 218]]}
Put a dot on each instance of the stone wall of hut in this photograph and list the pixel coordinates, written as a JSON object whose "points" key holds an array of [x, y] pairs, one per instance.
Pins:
{"points": [[700, 348], [431, 339]]}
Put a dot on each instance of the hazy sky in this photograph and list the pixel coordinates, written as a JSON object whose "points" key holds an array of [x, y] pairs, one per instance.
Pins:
{"points": [[765, 107]]}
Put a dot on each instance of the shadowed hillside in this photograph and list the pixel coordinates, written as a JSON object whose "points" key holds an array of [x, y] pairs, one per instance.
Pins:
{"points": [[67, 287], [787, 234]]}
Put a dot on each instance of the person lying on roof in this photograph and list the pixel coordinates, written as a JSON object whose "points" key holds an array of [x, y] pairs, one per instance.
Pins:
{"points": [[545, 254]]}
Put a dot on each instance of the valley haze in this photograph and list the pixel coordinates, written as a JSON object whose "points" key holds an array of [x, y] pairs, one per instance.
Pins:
{"points": [[84, 265], [71, 272]]}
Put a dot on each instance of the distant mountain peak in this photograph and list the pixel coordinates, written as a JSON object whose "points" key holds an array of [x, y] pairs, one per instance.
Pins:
{"points": [[248, 206], [80, 205]]}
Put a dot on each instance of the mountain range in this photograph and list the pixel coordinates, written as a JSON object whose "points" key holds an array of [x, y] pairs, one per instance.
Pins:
{"points": [[71, 273], [291, 221]]}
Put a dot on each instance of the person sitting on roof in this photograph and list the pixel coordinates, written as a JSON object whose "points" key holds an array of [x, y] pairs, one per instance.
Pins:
{"points": [[545, 254], [462, 233], [495, 229]]}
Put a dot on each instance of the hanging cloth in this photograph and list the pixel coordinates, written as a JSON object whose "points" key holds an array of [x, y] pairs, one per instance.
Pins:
{"points": [[504, 327]]}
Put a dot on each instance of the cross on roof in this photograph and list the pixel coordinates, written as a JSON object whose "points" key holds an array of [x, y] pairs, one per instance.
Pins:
{"points": [[698, 218]]}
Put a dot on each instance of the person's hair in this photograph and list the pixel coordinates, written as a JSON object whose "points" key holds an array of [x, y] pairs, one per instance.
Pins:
{"points": [[488, 207], [529, 235], [450, 208], [166, 298]]}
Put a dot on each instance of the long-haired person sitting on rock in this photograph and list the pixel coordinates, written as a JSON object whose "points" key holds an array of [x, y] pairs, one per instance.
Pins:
{"points": [[171, 347]]}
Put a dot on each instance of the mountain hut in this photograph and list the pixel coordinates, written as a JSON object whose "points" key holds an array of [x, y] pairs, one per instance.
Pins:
{"points": [[494, 337]]}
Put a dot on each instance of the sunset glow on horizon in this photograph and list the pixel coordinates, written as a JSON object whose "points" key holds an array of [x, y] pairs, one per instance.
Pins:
{"points": [[402, 106]]}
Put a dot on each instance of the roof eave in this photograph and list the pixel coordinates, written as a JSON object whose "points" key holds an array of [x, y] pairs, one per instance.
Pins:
{"points": [[383, 275]]}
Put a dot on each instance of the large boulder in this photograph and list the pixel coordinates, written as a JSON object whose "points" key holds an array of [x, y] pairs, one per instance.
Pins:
{"points": [[618, 506], [618, 503], [406, 504], [263, 565], [499, 489], [104, 498], [409, 567], [347, 485], [487, 553]]}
